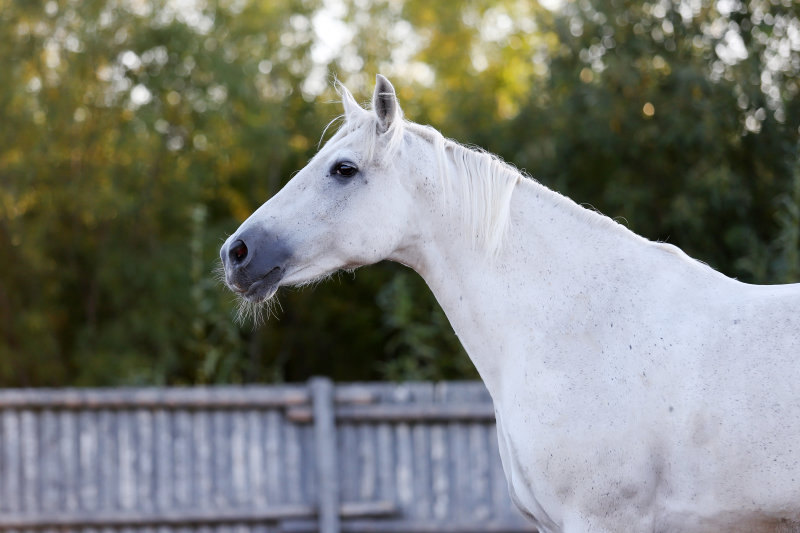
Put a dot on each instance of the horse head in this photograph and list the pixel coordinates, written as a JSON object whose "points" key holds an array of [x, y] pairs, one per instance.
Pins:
{"points": [[352, 205]]}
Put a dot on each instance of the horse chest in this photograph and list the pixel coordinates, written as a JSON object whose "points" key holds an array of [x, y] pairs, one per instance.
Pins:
{"points": [[520, 487], [563, 465]]}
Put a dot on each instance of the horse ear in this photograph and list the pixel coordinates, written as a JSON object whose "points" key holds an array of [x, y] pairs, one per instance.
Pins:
{"points": [[349, 103], [384, 102]]}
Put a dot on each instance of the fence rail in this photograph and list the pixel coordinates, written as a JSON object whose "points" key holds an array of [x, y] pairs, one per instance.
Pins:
{"points": [[415, 457]]}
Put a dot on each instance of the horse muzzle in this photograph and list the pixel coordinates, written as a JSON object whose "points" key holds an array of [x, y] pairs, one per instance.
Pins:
{"points": [[254, 262]]}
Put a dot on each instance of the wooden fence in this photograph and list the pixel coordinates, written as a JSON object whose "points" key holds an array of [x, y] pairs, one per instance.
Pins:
{"points": [[415, 457]]}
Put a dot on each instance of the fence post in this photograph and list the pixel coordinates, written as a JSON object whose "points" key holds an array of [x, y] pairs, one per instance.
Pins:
{"points": [[325, 442]]}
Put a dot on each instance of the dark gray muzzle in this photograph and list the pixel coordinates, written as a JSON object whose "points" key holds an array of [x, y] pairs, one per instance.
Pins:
{"points": [[254, 262]]}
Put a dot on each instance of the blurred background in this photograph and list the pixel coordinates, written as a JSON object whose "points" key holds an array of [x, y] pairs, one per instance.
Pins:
{"points": [[135, 135]]}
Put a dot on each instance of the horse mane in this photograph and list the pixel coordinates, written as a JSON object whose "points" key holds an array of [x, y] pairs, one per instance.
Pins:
{"points": [[483, 181]]}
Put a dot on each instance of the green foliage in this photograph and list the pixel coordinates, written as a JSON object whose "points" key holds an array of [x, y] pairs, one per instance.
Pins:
{"points": [[136, 135], [417, 334], [781, 259]]}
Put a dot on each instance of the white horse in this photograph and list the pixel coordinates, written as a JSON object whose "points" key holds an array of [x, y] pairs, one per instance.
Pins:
{"points": [[635, 388]]}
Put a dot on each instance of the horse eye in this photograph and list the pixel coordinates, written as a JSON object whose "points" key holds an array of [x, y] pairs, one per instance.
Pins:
{"points": [[344, 169]]}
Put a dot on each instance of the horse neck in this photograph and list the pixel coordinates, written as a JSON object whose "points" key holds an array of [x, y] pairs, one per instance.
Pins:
{"points": [[553, 251]]}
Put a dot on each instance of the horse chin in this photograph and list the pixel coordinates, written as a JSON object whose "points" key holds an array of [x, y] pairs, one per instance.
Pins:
{"points": [[265, 288], [259, 295]]}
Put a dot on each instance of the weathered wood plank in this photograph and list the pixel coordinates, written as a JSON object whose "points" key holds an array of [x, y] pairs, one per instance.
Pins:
{"points": [[11, 459], [413, 526], [403, 412], [368, 476], [69, 460], [156, 398], [220, 458], [293, 464], [30, 462], [52, 475], [220, 397], [145, 452], [422, 393], [327, 470], [161, 518], [88, 471], [273, 456], [203, 473], [166, 439], [404, 466], [440, 472], [126, 461], [253, 463], [368, 509], [387, 486], [480, 473], [107, 455], [184, 456], [348, 460]]}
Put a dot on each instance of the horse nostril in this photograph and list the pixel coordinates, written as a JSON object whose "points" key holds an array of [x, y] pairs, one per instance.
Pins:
{"points": [[238, 252]]}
